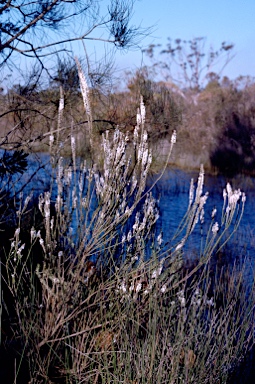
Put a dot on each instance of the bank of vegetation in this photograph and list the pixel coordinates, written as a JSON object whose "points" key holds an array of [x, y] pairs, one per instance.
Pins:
{"points": [[215, 125]]}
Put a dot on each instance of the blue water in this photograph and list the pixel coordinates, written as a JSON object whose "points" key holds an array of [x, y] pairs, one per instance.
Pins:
{"points": [[172, 193]]}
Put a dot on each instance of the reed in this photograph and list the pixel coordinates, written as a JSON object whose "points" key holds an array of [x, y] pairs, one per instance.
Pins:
{"points": [[107, 302]]}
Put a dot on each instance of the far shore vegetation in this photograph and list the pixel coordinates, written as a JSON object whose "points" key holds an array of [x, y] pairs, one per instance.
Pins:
{"points": [[215, 124]]}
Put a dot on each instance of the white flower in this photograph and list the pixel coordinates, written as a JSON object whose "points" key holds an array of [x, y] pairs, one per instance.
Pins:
{"points": [[229, 190], [163, 289], [123, 287], [157, 272], [132, 287], [84, 88], [202, 214], [61, 104], [173, 137], [123, 239], [28, 198], [180, 245], [129, 236], [19, 251], [200, 184], [17, 232], [145, 157], [51, 139], [73, 143], [181, 298], [215, 228], [191, 192], [210, 302], [136, 130], [160, 239], [138, 118], [142, 110], [134, 258], [138, 287], [214, 211]]}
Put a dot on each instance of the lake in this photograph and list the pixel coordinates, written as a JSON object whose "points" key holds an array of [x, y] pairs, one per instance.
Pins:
{"points": [[172, 193]]}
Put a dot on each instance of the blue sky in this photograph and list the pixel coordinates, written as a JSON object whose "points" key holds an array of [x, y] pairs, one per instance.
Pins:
{"points": [[232, 21]]}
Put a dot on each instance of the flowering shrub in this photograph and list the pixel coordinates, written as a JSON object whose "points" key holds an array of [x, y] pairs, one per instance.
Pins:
{"points": [[100, 307]]}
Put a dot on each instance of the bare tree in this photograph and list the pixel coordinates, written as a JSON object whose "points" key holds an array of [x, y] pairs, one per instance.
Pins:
{"points": [[189, 64]]}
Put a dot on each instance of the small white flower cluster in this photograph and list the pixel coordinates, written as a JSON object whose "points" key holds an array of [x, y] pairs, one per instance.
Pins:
{"points": [[44, 204], [144, 156], [61, 106], [82, 178], [32, 234], [142, 282], [157, 272], [41, 241], [100, 185], [196, 299], [200, 184], [23, 206], [59, 204], [173, 137], [151, 212], [47, 205], [19, 250], [116, 166], [74, 199], [214, 211], [51, 140], [142, 225], [160, 239], [85, 91], [140, 117], [195, 210], [232, 198], [130, 290], [215, 228], [191, 192], [16, 247], [181, 298], [44, 207], [60, 174], [68, 175]]}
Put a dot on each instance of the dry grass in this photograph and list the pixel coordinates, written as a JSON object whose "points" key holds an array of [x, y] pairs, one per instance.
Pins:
{"points": [[103, 307]]}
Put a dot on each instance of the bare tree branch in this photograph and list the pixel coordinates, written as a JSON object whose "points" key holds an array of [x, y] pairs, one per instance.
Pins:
{"points": [[25, 26]]}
